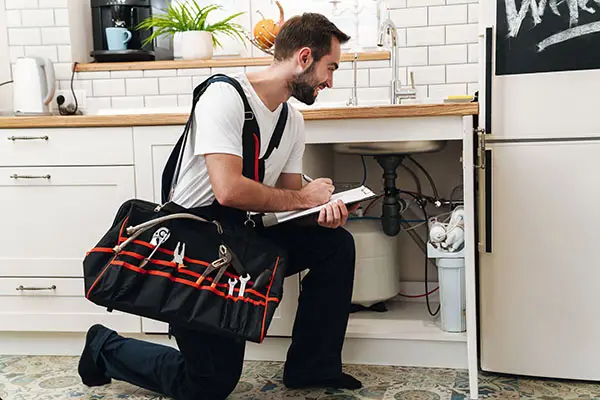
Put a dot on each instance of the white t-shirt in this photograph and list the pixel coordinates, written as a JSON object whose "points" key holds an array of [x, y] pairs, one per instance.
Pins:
{"points": [[217, 128]]}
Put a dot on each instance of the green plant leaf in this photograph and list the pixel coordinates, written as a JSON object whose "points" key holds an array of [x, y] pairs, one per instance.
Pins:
{"points": [[190, 17]]}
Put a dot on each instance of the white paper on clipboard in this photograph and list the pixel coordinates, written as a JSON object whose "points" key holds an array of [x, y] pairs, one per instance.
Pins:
{"points": [[350, 196]]}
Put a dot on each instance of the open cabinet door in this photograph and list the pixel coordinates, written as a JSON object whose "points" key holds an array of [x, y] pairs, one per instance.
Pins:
{"points": [[468, 156], [538, 272]]}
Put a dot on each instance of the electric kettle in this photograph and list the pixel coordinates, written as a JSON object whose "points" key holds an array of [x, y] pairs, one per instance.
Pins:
{"points": [[34, 85]]}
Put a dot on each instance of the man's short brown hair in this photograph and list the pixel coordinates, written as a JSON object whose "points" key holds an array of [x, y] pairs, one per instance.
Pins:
{"points": [[307, 30]]}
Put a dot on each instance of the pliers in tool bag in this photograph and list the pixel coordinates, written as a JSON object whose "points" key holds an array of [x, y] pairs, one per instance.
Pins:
{"points": [[220, 264]]}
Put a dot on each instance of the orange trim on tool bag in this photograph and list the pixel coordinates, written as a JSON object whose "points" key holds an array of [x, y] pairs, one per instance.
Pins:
{"points": [[171, 264], [169, 252], [185, 282], [122, 226], [262, 334], [256, 156], [99, 250], [87, 296]]}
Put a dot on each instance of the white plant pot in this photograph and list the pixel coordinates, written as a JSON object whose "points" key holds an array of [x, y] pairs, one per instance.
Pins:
{"points": [[196, 45], [177, 45]]}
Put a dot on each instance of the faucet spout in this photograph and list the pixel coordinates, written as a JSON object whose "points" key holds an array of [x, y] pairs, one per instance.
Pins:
{"points": [[388, 29]]}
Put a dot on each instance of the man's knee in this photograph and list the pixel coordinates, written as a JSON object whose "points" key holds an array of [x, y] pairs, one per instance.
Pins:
{"points": [[345, 241], [343, 244]]}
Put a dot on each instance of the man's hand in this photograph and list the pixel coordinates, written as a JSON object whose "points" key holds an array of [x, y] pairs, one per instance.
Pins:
{"points": [[333, 215], [317, 192]]}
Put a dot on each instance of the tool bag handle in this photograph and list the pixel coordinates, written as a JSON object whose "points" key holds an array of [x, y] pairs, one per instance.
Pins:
{"points": [[253, 167]]}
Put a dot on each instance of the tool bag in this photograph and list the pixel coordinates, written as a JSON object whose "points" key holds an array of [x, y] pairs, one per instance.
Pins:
{"points": [[199, 268]]}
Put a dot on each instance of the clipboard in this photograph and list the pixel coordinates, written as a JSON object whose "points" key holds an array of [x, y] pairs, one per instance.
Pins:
{"points": [[349, 197]]}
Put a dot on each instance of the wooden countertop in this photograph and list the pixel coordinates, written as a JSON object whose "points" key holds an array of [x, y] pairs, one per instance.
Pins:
{"points": [[214, 62], [392, 111]]}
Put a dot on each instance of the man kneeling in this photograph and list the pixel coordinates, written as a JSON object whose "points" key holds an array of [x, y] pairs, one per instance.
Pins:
{"points": [[307, 52]]}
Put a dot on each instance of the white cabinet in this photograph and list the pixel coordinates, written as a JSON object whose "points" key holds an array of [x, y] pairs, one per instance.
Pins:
{"points": [[54, 305], [539, 279], [53, 215], [60, 191], [152, 146], [66, 146]]}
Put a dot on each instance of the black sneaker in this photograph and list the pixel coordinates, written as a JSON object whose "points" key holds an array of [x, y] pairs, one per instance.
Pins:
{"points": [[90, 373]]}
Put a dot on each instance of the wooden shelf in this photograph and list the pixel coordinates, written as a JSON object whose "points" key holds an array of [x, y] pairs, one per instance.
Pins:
{"points": [[78, 121], [215, 62]]}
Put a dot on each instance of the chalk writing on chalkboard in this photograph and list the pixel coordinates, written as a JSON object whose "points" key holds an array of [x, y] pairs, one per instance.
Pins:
{"points": [[547, 35]]}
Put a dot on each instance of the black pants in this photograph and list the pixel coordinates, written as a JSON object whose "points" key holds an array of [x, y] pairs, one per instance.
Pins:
{"points": [[209, 367]]}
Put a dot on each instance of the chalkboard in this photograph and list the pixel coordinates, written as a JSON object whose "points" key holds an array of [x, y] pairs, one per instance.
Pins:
{"points": [[547, 35]]}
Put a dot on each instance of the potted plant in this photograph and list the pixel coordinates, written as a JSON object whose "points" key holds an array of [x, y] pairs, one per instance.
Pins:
{"points": [[189, 21]]}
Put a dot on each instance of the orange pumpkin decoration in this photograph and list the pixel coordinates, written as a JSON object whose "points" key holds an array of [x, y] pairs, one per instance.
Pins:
{"points": [[265, 30]]}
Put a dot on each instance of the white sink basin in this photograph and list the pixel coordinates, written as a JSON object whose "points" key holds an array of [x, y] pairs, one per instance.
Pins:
{"points": [[390, 148]]}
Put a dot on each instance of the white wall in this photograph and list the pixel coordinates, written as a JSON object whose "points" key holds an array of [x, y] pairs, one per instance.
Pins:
{"points": [[5, 73], [437, 40]]}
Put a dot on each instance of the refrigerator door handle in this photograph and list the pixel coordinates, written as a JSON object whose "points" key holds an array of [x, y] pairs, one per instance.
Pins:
{"points": [[487, 157]]}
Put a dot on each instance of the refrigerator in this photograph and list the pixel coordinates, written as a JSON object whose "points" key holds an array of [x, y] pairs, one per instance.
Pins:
{"points": [[538, 189]]}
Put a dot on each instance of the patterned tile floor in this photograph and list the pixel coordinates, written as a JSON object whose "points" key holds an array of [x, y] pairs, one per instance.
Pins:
{"points": [[52, 378]]}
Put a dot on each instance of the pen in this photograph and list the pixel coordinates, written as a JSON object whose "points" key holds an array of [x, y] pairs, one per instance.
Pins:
{"points": [[307, 178]]}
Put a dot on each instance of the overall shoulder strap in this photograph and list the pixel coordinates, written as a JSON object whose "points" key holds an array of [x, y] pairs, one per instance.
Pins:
{"points": [[170, 174], [273, 144], [278, 132]]}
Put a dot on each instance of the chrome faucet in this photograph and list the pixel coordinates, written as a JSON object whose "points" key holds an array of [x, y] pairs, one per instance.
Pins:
{"points": [[353, 101], [397, 92]]}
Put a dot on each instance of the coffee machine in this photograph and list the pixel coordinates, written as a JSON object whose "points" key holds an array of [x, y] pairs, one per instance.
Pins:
{"points": [[122, 42]]}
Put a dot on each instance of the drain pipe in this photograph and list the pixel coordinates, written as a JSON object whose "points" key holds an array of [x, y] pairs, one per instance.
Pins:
{"points": [[390, 209]]}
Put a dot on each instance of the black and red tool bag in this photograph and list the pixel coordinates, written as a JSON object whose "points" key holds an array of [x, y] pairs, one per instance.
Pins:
{"points": [[192, 267]]}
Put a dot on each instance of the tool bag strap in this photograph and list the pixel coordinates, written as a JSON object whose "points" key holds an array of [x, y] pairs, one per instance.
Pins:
{"points": [[253, 165]]}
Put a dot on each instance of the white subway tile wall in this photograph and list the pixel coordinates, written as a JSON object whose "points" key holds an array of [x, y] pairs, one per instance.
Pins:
{"points": [[109, 87], [155, 73], [448, 15], [436, 39], [126, 74], [64, 54], [61, 17], [142, 86], [128, 102], [178, 85]]}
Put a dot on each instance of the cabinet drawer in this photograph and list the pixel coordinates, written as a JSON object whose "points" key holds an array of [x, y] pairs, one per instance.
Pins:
{"points": [[51, 219], [66, 146], [55, 305]]}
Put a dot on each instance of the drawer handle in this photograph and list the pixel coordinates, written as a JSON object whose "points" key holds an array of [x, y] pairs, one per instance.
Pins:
{"points": [[23, 288], [15, 176], [14, 138]]}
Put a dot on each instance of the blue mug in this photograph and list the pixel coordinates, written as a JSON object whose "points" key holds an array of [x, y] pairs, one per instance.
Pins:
{"points": [[117, 38]]}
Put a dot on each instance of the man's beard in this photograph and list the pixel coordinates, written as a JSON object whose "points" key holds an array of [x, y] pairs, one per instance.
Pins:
{"points": [[304, 86]]}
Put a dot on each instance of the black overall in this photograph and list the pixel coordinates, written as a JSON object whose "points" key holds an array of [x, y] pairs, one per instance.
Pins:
{"points": [[208, 366]]}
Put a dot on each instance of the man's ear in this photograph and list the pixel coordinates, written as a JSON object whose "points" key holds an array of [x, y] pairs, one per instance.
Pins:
{"points": [[304, 57]]}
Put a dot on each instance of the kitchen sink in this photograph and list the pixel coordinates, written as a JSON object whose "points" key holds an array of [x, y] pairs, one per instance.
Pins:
{"points": [[390, 148]]}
